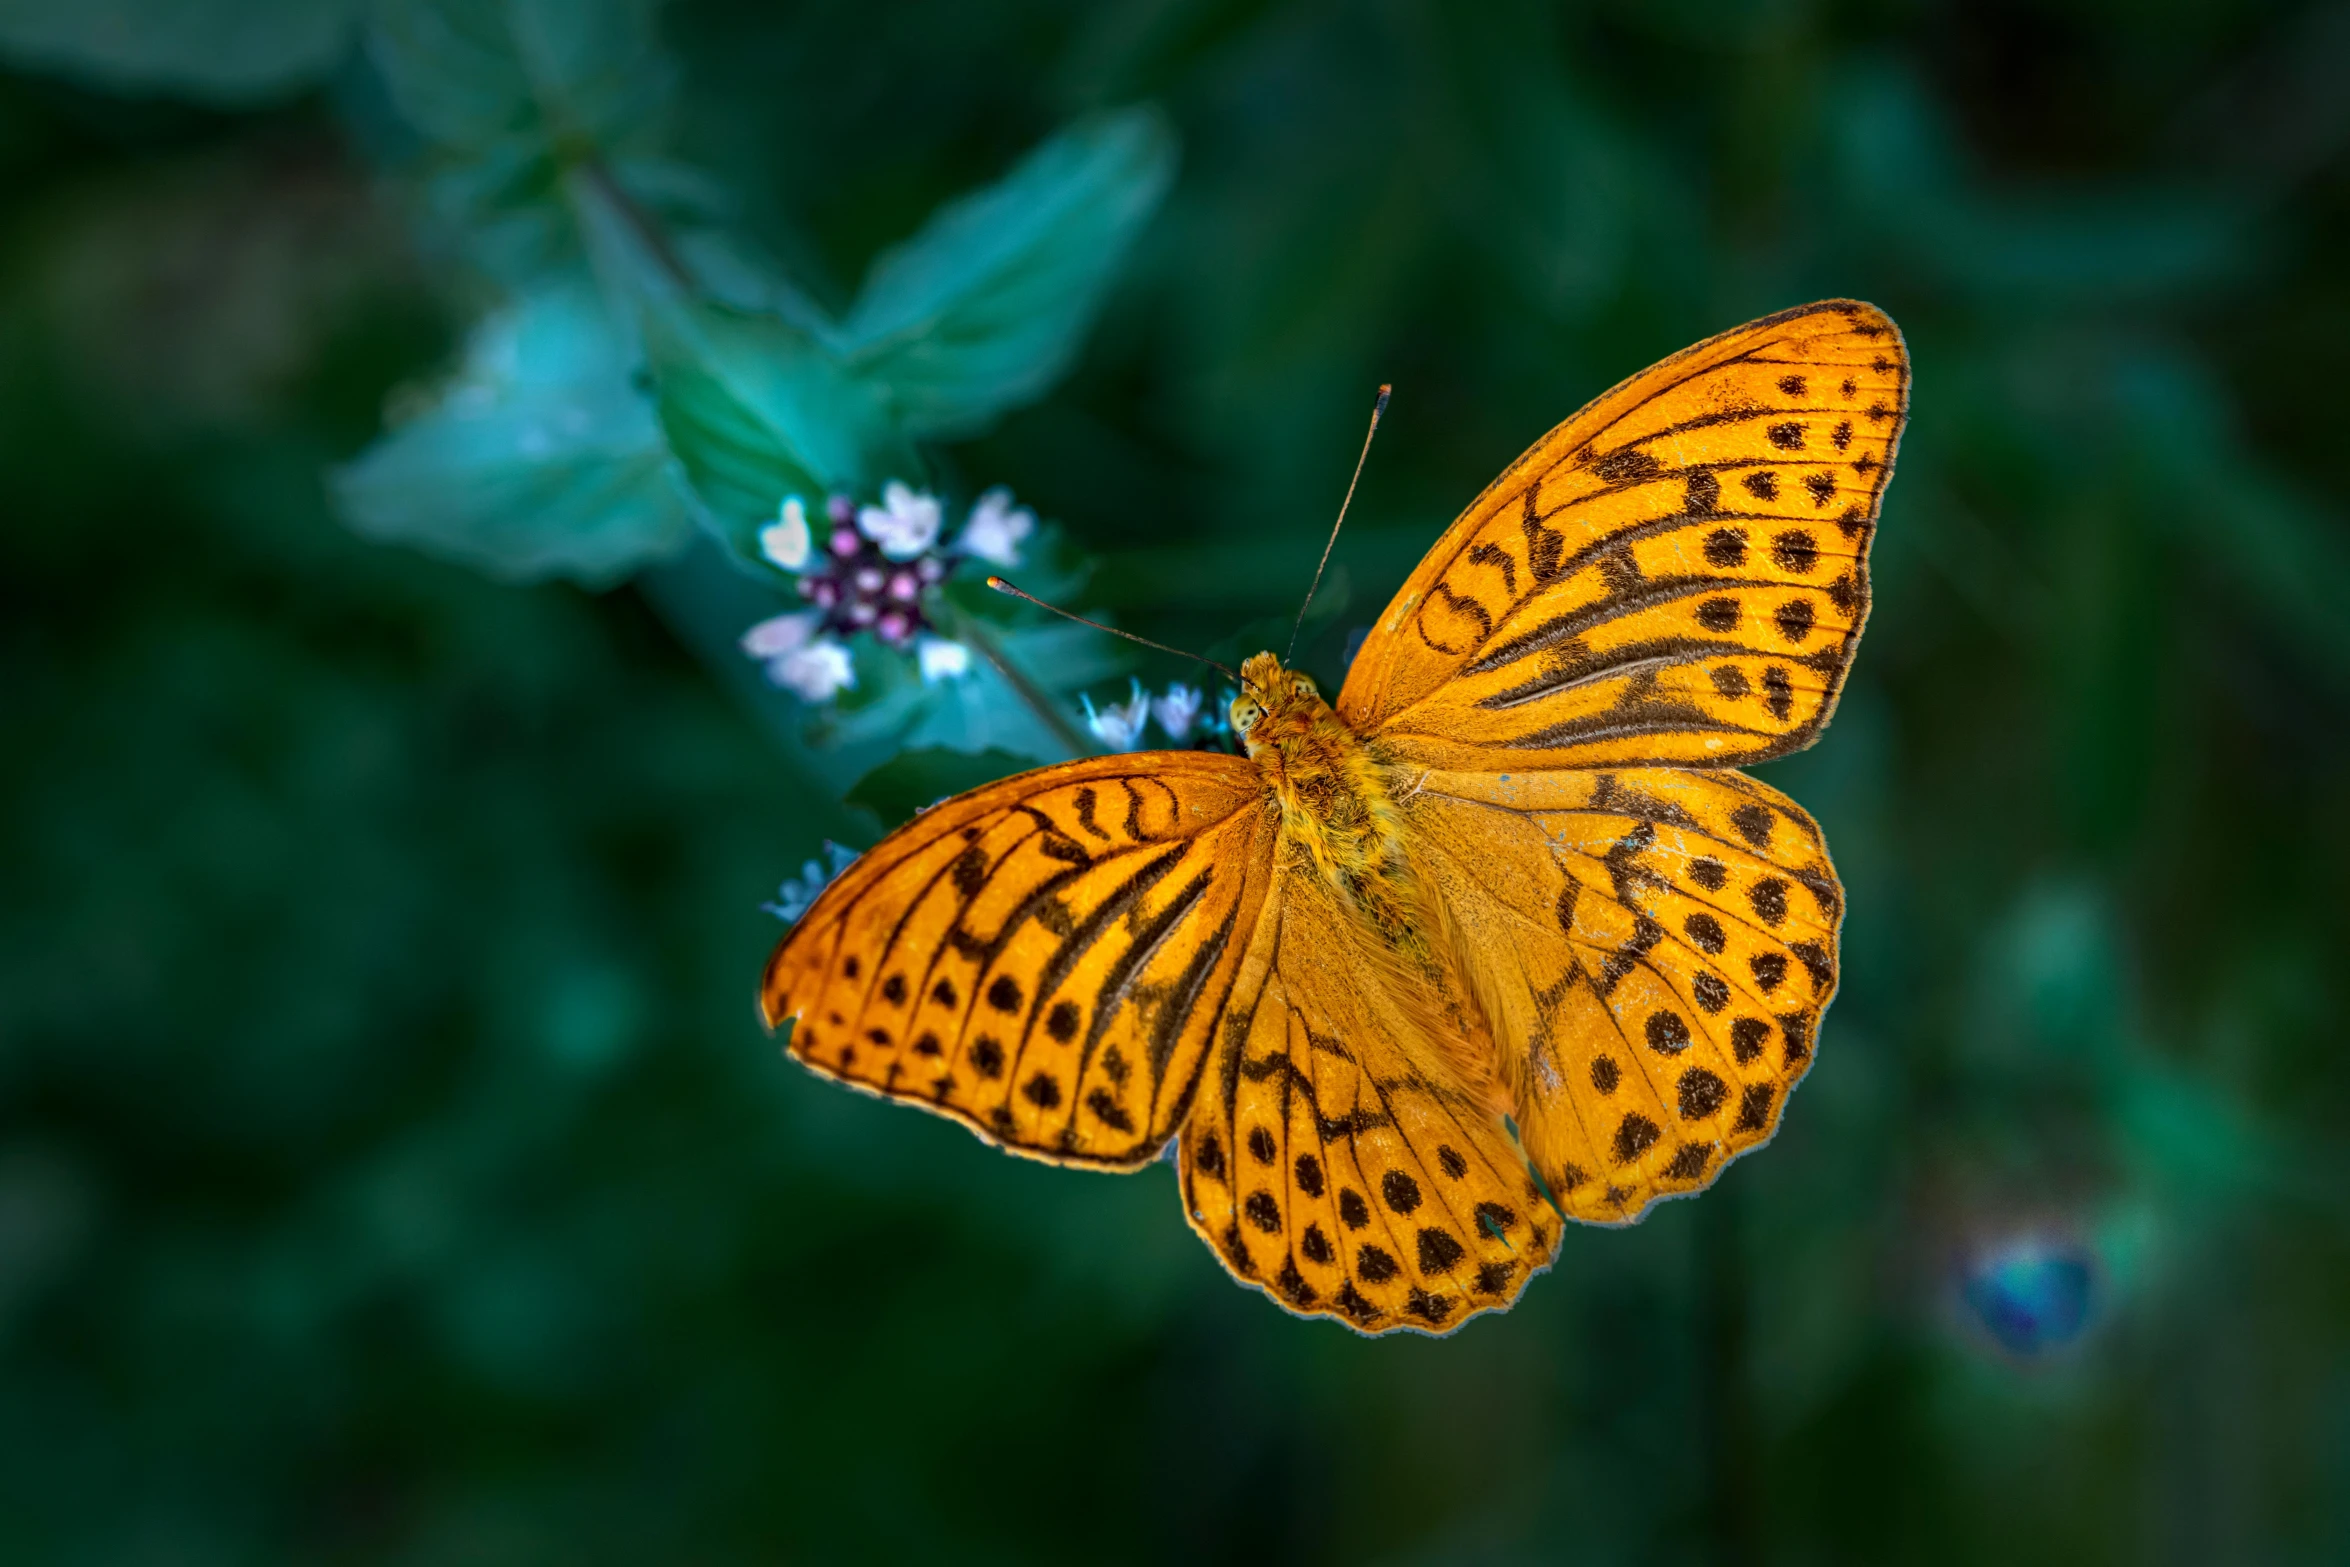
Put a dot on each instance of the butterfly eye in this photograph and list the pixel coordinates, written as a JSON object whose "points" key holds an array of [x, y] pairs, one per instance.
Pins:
{"points": [[1245, 714]]}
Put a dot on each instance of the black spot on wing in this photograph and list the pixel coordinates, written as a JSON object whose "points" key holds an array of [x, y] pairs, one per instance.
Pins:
{"points": [[1668, 1032], [1701, 1093], [1400, 1190], [1626, 465], [1439, 1250], [1795, 551], [1635, 1135], [1309, 1175], [1688, 1162], [1113, 1115]]}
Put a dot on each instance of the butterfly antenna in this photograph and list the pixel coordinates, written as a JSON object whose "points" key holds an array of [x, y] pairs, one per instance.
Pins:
{"points": [[1001, 586], [1377, 409]]}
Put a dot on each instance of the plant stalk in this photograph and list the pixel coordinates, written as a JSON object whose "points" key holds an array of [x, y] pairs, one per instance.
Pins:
{"points": [[967, 629]]}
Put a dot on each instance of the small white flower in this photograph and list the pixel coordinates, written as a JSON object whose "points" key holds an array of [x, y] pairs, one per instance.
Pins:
{"points": [[818, 668], [1119, 725], [786, 541], [904, 524], [781, 635], [1178, 710], [942, 660], [818, 672], [995, 528]]}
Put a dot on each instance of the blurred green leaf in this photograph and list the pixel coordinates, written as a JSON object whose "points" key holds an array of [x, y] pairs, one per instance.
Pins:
{"points": [[470, 73], [914, 780], [509, 95], [225, 52], [755, 410], [984, 308], [539, 459]]}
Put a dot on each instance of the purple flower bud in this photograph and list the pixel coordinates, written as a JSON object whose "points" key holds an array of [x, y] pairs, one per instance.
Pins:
{"points": [[823, 590], [844, 542], [843, 511], [862, 613], [892, 627], [869, 580], [905, 585], [931, 568]]}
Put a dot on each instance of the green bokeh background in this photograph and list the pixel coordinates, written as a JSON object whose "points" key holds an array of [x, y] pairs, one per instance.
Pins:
{"points": [[391, 1166]]}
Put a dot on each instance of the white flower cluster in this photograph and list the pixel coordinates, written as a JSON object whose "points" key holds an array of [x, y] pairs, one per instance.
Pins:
{"points": [[1120, 725], [873, 574]]}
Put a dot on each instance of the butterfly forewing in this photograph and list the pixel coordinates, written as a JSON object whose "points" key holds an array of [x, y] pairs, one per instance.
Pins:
{"points": [[1676, 574], [1657, 945], [1042, 959], [1332, 1160]]}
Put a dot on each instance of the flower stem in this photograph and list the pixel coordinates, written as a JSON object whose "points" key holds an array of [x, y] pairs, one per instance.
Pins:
{"points": [[965, 628]]}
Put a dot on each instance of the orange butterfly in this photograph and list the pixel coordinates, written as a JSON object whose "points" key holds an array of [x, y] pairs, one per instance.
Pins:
{"points": [[1502, 935]]}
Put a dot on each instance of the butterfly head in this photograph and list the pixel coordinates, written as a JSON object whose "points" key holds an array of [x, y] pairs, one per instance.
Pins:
{"points": [[1274, 702]]}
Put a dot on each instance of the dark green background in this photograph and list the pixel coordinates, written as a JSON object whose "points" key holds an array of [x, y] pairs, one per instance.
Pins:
{"points": [[392, 1170]]}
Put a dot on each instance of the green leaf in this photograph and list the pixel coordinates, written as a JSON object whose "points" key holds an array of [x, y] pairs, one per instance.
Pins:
{"points": [[756, 409], [915, 780], [984, 308], [512, 93], [228, 52], [538, 459]]}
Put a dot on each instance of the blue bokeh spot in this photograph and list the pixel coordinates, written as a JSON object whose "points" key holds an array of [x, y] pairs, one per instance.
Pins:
{"points": [[2033, 1295]]}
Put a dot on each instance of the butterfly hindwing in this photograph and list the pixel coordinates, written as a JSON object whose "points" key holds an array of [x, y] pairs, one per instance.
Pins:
{"points": [[1657, 945], [1042, 959], [1331, 1160], [1677, 574]]}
